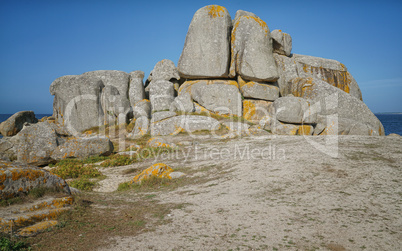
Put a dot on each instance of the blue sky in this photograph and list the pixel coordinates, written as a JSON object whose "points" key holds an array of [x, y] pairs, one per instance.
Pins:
{"points": [[43, 40]]}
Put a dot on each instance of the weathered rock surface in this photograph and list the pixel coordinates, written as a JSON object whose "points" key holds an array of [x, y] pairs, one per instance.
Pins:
{"points": [[157, 116], [206, 51], [328, 70], [83, 148], [241, 13], [251, 50], [111, 106], [258, 90], [7, 150], [184, 123], [142, 108], [256, 110], [331, 101], [119, 80], [164, 70], [282, 42], [237, 127], [141, 128], [18, 178], [35, 144], [294, 110], [183, 103], [161, 94], [220, 96], [15, 123], [136, 91], [77, 102]]}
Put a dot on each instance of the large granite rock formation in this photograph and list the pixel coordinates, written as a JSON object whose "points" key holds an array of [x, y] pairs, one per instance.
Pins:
{"points": [[161, 95], [16, 122], [206, 50]]}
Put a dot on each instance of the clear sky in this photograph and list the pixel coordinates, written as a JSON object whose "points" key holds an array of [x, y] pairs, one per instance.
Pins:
{"points": [[43, 40]]}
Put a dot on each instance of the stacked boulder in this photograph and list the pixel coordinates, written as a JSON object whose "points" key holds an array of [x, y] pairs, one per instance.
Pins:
{"points": [[227, 67]]}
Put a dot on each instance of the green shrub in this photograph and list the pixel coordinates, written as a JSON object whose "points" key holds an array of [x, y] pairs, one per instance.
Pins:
{"points": [[83, 183], [6, 244]]}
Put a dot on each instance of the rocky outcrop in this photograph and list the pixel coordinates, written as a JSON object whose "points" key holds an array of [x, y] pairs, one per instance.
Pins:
{"points": [[184, 123], [251, 50], [329, 100], [16, 122], [83, 148], [18, 178], [206, 51], [330, 71], [282, 42]]}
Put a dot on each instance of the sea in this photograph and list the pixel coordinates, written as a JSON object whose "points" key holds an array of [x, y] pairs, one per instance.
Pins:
{"points": [[392, 122]]}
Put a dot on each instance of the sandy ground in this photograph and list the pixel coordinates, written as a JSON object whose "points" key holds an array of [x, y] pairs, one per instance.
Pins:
{"points": [[280, 193]]}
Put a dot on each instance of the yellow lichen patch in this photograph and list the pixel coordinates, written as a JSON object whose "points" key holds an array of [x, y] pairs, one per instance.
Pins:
{"points": [[304, 130], [155, 143], [37, 228], [186, 86], [260, 22], [216, 11], [157, 170], [249, 110]]}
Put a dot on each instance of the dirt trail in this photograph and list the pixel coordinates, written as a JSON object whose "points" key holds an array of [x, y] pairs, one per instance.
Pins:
{"points": [[300, 198]]}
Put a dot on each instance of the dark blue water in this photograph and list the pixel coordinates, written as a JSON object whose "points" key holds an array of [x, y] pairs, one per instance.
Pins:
{"points": [[392, 122], [4, 117]]}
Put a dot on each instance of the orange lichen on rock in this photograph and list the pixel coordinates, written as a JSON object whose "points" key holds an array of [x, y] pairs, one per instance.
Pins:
{"points": [[216, 11], [37, 228], [249, 110], [159, 170]]}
